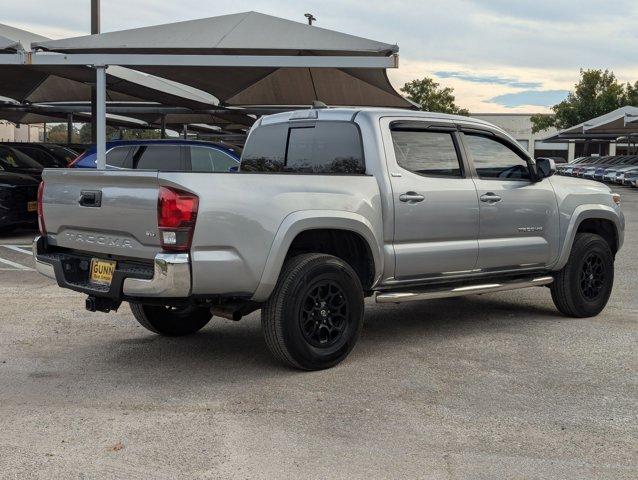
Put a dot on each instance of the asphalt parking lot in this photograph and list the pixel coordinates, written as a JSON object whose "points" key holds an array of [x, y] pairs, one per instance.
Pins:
{"points": [[496, 386]]}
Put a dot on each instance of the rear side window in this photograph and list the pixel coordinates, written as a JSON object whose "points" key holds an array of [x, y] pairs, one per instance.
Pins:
{"points": [[117, 157], [160, 157], [322, 148], [426, 153], [204, 159]]}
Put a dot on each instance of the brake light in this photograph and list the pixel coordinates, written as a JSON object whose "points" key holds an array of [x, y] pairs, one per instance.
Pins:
{"points": [[176, 216], [43, 230]]}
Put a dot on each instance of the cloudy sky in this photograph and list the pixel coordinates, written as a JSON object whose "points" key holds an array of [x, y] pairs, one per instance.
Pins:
{"points": [[498, 55]]}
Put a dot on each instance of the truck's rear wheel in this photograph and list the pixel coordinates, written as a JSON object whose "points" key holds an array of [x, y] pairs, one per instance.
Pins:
{"points": [[171, 321], [314, 317], [582, 288]]}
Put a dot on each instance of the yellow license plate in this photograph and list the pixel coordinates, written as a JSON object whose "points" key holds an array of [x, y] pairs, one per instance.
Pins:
{"points": [[102, 271], [32, 206]]}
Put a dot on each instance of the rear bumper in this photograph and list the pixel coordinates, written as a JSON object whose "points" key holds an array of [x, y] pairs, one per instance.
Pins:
{"points": [[168, 277]]}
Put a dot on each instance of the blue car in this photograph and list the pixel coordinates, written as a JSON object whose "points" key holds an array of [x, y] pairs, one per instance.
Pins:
{"points": [[166, 155]]}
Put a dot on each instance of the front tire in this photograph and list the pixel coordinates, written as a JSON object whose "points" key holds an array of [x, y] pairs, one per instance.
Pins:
{"points": [[314, 316], [171, 321], [582, 288]]}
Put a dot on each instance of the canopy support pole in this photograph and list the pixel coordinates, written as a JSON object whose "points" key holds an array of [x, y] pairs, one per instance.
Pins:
{"points": [[100, 113], [69, 129], [95, 29], [185, 131], [163, 127]]}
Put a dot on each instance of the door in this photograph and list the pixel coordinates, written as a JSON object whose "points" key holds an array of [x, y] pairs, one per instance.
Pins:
{"points": [[518, 215], [436, 215]]}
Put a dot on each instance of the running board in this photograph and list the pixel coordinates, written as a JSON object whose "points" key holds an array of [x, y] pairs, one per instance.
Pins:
{"points": [[404, 296]]}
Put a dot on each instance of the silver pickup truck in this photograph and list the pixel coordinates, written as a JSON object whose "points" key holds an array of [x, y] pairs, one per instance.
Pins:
{"points": [[330, 206]]}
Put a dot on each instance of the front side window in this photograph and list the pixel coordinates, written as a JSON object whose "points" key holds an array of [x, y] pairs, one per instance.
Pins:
{"points": [[426, 153], [494, 160], [205, 159]]}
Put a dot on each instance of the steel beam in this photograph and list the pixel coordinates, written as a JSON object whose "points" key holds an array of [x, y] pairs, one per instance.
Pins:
{"points": [[152, 60], [100, 115]]}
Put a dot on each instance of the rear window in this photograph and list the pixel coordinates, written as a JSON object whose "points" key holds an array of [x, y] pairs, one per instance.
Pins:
{"points": [[322, 148], [160, 157]]}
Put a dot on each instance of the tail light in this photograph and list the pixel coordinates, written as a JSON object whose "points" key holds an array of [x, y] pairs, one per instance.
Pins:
{"points": [[74, 162], [176, 216], [43, 230]]}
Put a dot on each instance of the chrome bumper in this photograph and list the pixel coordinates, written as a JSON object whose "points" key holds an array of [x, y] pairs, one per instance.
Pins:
{"points": [[171, 276]]}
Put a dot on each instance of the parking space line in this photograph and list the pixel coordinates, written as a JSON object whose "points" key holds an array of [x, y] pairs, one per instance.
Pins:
{"points": [[16, 265], [16, 248]]}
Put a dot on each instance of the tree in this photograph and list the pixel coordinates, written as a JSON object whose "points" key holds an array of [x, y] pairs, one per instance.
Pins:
{"points": [[58, 133], [427, 93], [598, 92]]}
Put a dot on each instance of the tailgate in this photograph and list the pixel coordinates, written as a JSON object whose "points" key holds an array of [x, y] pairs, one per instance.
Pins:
{"points": [[109, 212]]}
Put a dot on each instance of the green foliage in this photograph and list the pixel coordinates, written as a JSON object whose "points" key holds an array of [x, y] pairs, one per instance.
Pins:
{"points": [[598, 92], [57, 133], [114, 133], [427, 93]]}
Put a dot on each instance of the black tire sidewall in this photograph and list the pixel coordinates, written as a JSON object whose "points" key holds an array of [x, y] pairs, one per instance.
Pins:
{"points": [[173, 324], [586, 245], [307, 355]]}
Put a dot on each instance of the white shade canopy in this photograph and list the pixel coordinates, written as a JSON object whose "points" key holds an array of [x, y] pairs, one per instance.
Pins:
{"points": [[255, 34]]}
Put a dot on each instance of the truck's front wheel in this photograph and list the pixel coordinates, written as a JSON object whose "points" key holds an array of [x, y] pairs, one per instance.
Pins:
{"points": [[314, 317], [582, 288], [171, 321]]}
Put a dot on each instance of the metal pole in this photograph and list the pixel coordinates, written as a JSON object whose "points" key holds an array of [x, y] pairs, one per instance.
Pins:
{"points": [[100, 113], [44, 133], [95, 29], [69, 129], [185, 131], [163, 129]]}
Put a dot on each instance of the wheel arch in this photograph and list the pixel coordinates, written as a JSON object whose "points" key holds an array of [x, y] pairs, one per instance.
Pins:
{"points": [[599, 219], [301, 223]]}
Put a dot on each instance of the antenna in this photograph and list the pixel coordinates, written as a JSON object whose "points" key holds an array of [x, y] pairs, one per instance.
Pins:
{"points": [[311, 18]]}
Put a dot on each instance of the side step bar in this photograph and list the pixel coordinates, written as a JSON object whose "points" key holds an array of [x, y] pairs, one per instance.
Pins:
{"points": [[406, 296]]}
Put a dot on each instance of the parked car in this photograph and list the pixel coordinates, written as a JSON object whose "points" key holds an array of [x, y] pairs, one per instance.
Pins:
{"points": [[46, 154], [630, 177], [331, 206], [568, 168], [12, 160], [177, 155], [18, 200]]}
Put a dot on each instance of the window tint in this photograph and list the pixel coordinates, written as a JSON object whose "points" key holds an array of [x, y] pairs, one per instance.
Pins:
{"points": [[493, 159], [329, 147], [39, 156], [426, 153], [326, 147], [116, 157], [13, 159], [160, 157], [266, 149], [206, 159]]}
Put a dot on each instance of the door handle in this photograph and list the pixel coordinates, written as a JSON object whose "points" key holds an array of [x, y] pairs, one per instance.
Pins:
{"points": [[490, 198], [411, 197]]}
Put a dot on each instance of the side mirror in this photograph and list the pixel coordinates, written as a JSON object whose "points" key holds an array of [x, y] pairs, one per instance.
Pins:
{"points": [[546, 167]]}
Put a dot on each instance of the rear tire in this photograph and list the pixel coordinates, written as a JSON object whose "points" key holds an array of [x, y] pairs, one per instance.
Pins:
{"points": [[171, 321], [314, 316], [582, 288]]}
